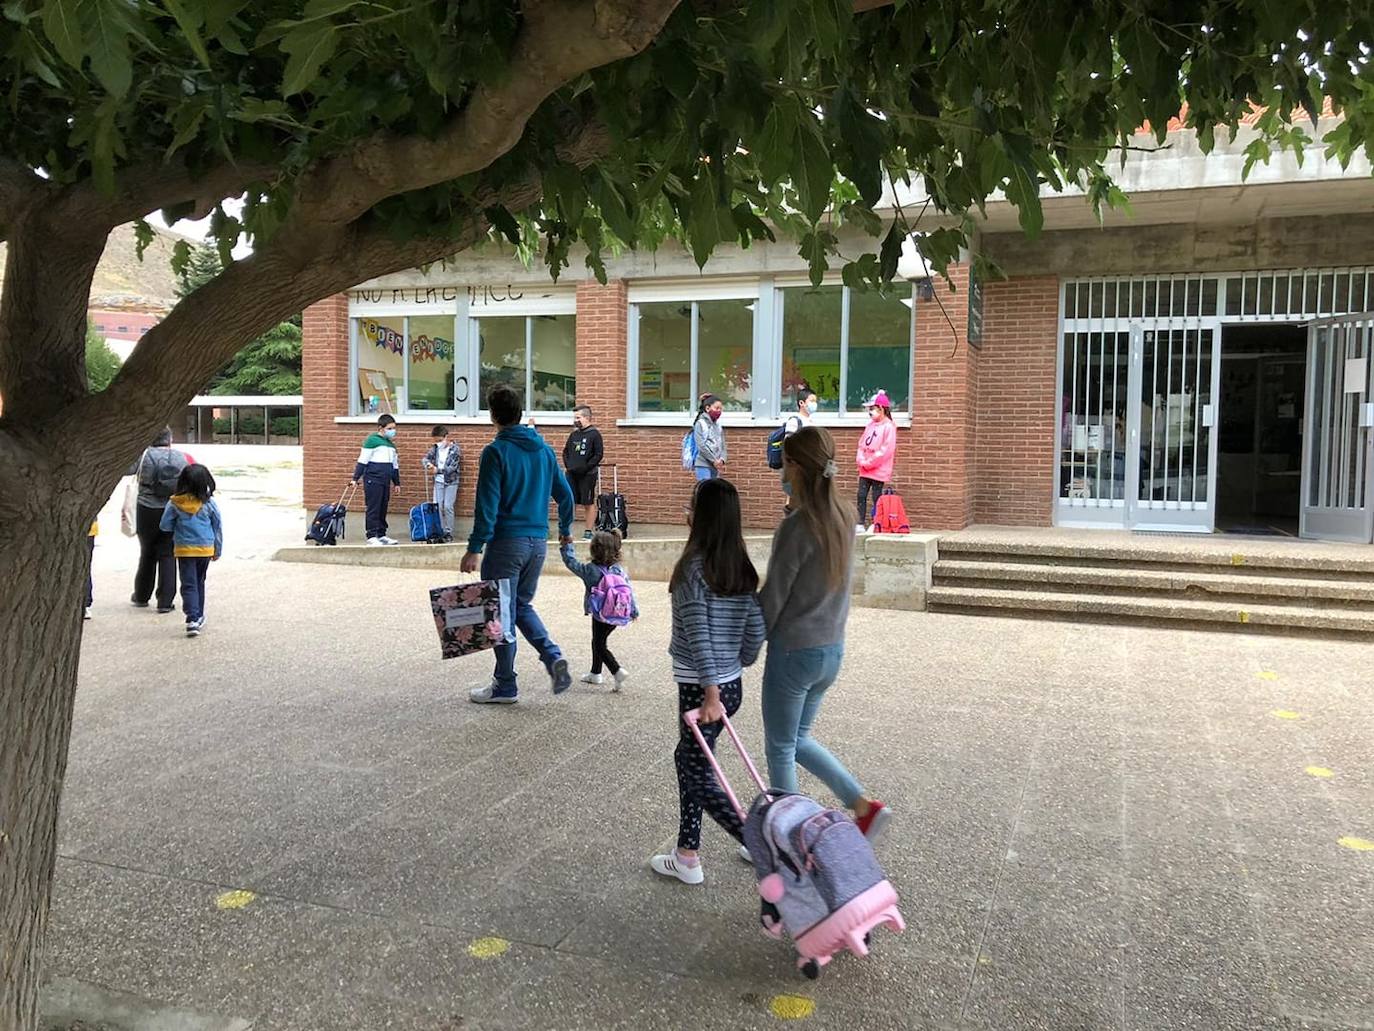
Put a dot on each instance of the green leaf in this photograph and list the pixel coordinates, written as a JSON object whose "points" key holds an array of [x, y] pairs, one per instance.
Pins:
{"points": [[614, 209], [814, 172], [890, 253], [703, 218], [504, 221], [1023, 190], [308, 48], [104, 143], [62, 25], [143, 236], [189, 22], [108, 32], [775, 144]]}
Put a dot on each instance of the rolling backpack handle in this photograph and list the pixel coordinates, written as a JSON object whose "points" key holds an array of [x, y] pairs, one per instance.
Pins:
{"points": [[693, 718]]}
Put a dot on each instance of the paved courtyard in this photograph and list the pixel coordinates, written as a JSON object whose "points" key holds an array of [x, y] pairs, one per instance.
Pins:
{"points": [[299, 820]]}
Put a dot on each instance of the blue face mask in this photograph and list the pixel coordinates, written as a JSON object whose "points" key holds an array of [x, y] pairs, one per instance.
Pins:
{"points": [[390, 431]]}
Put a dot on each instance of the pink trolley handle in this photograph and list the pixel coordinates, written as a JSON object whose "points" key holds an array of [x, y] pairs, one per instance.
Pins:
{"points": [[693, 718]]}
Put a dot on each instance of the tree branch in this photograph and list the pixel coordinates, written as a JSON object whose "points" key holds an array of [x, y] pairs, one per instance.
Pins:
{"points": [[561, 40], [147, 187], [20, 187]]}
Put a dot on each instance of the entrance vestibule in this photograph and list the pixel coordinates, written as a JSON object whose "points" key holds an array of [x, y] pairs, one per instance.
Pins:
{"points": [[1259, 436]]}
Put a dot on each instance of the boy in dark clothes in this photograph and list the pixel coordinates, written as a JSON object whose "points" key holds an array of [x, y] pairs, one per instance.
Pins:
{"points": [[378, 469], [582, 456]]}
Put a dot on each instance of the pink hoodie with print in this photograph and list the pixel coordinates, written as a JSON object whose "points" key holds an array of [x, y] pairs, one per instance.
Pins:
{"points": [[877, 450]]}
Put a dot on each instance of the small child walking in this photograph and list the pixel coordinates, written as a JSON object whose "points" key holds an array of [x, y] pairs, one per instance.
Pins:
{"points": [[608, 599], [718, 630], [193, 519]]}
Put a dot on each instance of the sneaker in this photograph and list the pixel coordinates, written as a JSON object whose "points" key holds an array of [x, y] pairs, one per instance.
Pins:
{"points": [[387, 540], [587, 536], [669, 865], [375, 542], [193, 627], [744, 854], [487, 696], [86, 614], [620, 676], [875, 823], [858, 529], [561, 677], [162, 612], [592, 678], [133, 600]]}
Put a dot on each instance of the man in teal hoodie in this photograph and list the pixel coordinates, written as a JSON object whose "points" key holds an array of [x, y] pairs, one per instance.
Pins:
{"points": [[517, 475]]}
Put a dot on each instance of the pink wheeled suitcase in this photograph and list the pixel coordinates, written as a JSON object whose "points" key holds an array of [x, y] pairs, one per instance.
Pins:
{"points": [[818, 877]]}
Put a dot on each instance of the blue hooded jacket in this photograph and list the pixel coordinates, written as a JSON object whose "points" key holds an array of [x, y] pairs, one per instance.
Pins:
{"points": [[516, 476]]}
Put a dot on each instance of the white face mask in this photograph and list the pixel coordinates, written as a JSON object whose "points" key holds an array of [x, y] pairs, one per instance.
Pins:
{"points": [[809, 407]]}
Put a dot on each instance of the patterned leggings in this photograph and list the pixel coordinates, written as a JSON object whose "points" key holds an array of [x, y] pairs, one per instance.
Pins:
{"points": [[696, 781]]}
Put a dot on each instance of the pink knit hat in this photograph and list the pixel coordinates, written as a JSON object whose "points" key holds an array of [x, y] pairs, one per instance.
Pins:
{"points": [[880, 400]]}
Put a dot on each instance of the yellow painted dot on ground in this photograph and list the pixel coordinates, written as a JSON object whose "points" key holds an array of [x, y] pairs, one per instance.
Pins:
{"points": [[234, 899], [1244, 616], [791, 1007], [1319, 771], [488, 948], [1285, 714], [1358, 844], [1267, 674], [1237, 560]]}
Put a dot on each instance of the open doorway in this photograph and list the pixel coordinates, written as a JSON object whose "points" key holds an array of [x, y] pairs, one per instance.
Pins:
{"points": [[1259, 442]]}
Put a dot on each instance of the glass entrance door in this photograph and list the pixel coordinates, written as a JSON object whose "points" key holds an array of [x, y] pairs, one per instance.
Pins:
{"points": [[1337, 439], [1170, 469]]}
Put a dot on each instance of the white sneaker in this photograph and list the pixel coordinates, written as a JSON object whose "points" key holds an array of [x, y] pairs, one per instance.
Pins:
{"points": [[87, 613], [592, 678], [744, 854], [621, 675], [858, 529], [375, 542], [669, 865], [388, 540]]}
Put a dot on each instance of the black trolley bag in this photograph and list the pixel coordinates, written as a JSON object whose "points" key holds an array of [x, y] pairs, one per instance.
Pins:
{"points": [[328, 525], [610, 507]]}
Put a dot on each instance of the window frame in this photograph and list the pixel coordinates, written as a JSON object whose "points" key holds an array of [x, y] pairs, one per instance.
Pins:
{"points": [[528, 389], [769, 299]]}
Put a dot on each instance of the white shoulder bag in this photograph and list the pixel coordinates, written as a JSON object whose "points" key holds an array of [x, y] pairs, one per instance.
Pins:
{"points": [[128, 515]]}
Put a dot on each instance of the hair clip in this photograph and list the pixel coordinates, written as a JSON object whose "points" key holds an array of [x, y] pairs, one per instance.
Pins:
{"points": [[831, 470]]}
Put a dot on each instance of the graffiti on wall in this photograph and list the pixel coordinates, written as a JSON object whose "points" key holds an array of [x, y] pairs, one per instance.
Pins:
{"points": [[438, 294]]}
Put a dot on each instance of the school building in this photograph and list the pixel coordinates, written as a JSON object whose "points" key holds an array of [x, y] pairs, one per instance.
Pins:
{"points": [[1201, 363]]}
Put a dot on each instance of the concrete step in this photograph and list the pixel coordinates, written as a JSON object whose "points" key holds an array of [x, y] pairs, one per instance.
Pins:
{"points": [[1121, 578], [1185, 612], [1239, 555]]}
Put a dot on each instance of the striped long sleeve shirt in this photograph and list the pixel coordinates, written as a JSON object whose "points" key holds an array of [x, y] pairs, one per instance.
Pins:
{"points": [[714, 637]]}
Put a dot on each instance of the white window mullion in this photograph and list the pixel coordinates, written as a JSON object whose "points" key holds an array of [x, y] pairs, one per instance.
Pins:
{"points": [[696, 386], [843, 399], [404, 406], [767, 356], [632, 364], [354, 406], [529, 363]]}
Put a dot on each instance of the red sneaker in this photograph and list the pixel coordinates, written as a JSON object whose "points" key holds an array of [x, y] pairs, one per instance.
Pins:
{"points": [[875, 822]]}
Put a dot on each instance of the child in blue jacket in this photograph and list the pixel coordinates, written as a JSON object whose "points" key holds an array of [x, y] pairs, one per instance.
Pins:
{"points": [[605, 548], [197, 539]]}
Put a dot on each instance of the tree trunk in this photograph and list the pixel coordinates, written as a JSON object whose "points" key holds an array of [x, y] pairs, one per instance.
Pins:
{"points": [[43, 565]]}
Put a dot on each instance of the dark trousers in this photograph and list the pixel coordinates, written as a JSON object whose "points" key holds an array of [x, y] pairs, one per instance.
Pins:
{"points": [[90, 584], [193, 572], [601, 634], [377, 494], [867, 507], [697, 787], [155, 560]]}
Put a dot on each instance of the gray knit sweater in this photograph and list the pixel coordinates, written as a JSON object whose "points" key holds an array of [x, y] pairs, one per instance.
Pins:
{"points": [[714, 637], [801, 609]]}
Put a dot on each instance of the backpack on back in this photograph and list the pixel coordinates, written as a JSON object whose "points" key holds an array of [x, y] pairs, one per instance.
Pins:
{"points": [[689, 448], [164, 472], [613, 600], [890, 514], [776, 439]]}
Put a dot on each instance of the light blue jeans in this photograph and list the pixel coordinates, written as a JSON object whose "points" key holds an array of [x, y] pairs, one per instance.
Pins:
{"points": [[519, 560], [794, 685], [706, 472]]}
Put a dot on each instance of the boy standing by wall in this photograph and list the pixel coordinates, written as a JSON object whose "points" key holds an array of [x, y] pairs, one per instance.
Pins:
{"points": [[582, 456], [378, 469], [443, 459]]}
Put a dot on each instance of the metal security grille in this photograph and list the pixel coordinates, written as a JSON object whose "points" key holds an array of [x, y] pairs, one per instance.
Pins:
{"points": [[1336, 500], [1298, 294]]}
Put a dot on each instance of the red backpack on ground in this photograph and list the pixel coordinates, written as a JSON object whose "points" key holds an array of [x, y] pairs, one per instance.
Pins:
{"points": [[890, 515]]}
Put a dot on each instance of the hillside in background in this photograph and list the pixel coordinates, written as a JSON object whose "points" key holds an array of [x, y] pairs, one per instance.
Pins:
{"points": [[122, 281]]}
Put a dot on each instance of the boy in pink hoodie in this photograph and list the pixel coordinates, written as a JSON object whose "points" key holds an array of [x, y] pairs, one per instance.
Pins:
{"points": [[877, 449]]}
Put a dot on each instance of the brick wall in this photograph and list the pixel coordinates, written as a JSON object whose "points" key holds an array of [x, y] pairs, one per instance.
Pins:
{"points": [[1016, 405], [934, 466]]}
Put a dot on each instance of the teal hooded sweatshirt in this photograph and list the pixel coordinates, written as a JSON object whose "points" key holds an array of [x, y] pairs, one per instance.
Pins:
{"points": [[516, 476]]}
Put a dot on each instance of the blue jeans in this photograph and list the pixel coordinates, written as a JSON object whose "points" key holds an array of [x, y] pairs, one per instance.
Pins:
{"points": [[794, 685], [192, 573], [519, 560], [705, 472]]}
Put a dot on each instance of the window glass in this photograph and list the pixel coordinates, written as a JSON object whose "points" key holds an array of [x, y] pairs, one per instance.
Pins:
{"points": [[381, 357], [501, 348], [554, 362], [811, 344], [431, 353], [665, 357], [725, 352], [879, 349]]}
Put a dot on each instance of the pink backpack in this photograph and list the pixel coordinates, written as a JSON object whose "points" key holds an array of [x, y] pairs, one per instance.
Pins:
{"points": [[613, 600], [890, 515]]}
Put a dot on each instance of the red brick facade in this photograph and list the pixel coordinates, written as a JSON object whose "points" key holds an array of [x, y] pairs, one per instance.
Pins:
{"points": [[980, 446]]}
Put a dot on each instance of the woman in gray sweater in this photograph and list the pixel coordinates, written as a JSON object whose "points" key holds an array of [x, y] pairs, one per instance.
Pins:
{"points": [[805, 601]]}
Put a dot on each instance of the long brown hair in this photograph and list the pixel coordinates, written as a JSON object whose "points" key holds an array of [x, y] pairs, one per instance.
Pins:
{"points": [[717, 538], [811, 454]]}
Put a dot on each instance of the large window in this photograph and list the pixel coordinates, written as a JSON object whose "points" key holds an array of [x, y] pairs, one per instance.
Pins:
{"points": [[432, 353], [846, 344], [535, 354], [689, 348], [381, 344]]}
